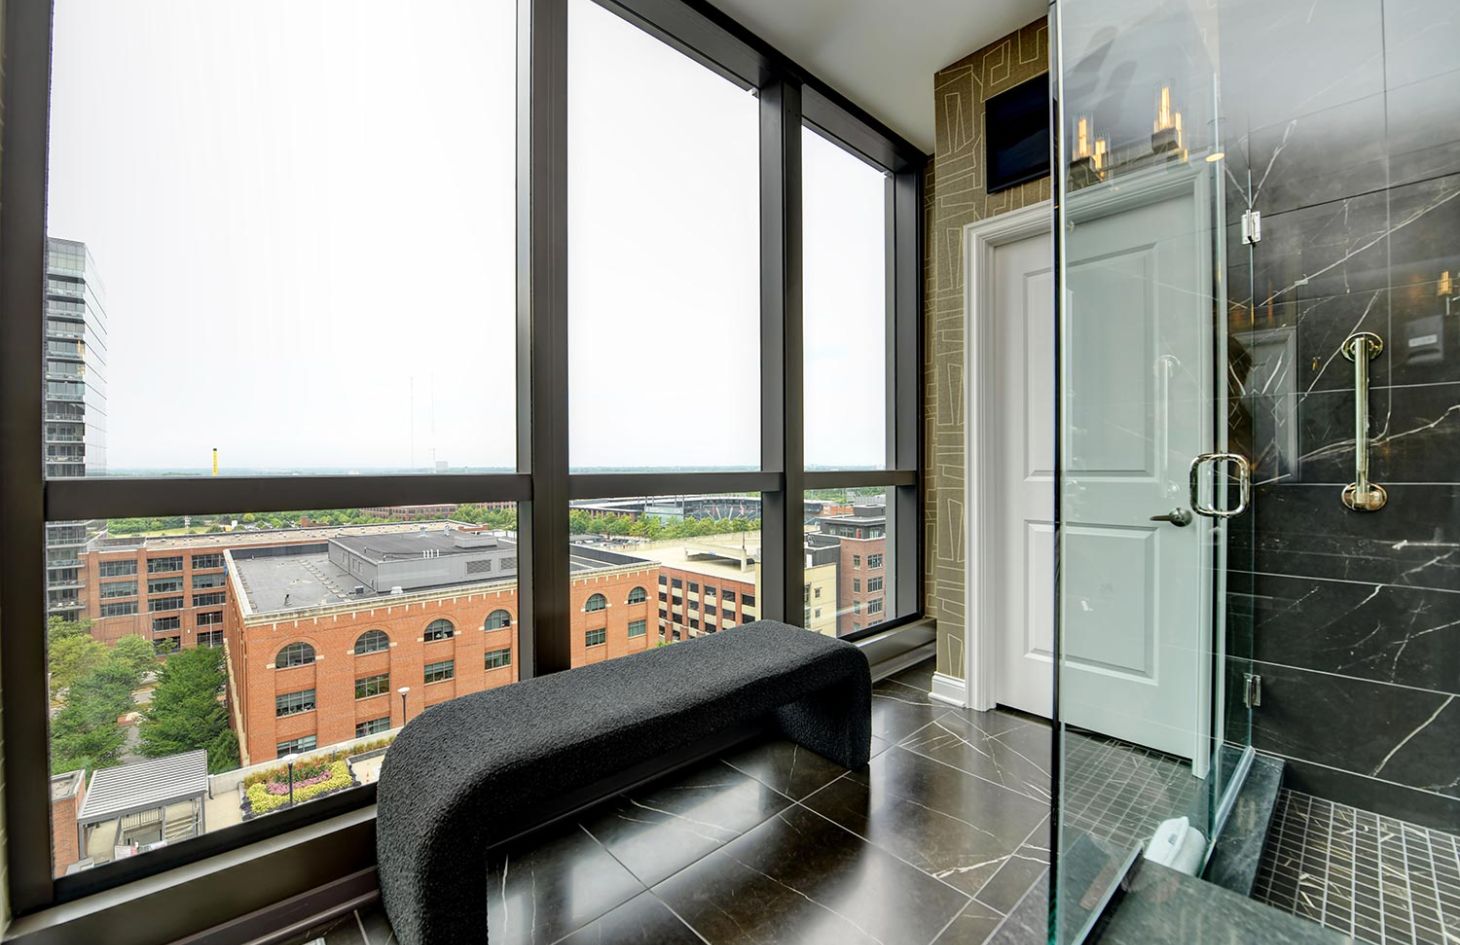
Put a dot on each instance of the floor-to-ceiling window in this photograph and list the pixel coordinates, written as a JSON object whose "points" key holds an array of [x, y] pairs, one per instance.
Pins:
{"points": [[435, 348]]}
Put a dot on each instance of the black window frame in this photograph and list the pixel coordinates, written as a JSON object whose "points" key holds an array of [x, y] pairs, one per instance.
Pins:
{"points": [[789, 98]]}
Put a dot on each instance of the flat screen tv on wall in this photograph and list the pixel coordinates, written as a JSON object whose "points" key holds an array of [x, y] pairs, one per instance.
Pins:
{"points": [[1016, 135]]}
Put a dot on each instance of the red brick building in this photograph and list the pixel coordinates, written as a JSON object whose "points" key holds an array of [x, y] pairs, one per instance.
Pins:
{"points": [[326, 588], [68, 791], [861, 568], [322, 636]]}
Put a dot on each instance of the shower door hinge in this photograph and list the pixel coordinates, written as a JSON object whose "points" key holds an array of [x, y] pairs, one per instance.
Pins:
{"points": [[1251, 226], [1251, 690]]}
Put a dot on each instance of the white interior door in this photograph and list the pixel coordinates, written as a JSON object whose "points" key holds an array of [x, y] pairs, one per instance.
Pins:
{"points": [[1136, 598], [1020, 460]]}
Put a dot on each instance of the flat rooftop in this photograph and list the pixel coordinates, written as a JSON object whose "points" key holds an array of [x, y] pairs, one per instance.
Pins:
{"points": [[388, 546], [282, 583], [717, 556], [242, 538]]}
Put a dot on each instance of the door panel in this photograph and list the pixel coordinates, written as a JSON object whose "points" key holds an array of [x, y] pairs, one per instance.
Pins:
{"points": [[1135, 605], [1021, 451]]}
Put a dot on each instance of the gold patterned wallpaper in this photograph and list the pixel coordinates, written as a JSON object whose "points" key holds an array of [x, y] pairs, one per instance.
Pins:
{"points": [[955, 197]]}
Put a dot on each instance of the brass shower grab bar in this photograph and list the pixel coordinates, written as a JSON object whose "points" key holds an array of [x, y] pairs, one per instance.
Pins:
{"points": [[1361, 495]]}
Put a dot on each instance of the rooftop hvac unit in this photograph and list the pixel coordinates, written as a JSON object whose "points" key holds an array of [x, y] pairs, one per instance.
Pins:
{"points": [[359, 590], [397, 590]]}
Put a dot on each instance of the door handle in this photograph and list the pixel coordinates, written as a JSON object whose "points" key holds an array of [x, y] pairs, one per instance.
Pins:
{"points": [[1178, 517], [1244, 484]]}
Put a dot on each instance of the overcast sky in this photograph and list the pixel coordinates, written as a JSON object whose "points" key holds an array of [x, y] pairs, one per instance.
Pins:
{"points": [[303, 213]]}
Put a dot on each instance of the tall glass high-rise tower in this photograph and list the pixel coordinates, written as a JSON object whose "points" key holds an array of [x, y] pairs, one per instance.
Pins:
{"points": [[75, 434]]}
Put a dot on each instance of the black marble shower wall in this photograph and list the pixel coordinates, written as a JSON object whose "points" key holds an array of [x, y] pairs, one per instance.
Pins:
{"points": [[1342, 123]]}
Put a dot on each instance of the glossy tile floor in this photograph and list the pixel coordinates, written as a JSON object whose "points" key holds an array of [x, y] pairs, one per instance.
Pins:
{"points": [[1378, 879], [934, 843], [1120, 792]]}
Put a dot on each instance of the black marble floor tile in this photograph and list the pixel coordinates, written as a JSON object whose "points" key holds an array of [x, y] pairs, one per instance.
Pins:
{"points": [[665, 826], [551, 885], [1118, 792], [918, 677], [643, 920], [996, 746], [973, 925], [1028, 923], [1019, 872], [786, 767], [958, 829], [1327, 862], [800, 878], [898, 710]]}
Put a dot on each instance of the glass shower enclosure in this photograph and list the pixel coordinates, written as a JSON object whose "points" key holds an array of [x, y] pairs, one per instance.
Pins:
{"points": [[1155, 479], [1258, 522]]}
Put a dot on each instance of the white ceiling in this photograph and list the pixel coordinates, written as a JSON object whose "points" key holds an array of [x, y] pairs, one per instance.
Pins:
{"points": [[882, 54]]}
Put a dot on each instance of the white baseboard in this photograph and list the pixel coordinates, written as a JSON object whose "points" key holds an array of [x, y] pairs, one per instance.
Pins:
{"points": [[950, 690]]}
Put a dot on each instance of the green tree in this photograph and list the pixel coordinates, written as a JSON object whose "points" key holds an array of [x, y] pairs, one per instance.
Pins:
{"points": [[187, 712], [87, 733], [59, 628], [72, 658], [135, 653]]}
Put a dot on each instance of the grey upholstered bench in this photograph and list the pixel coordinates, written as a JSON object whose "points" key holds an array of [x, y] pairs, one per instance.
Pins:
{"points": [[469, 773]]}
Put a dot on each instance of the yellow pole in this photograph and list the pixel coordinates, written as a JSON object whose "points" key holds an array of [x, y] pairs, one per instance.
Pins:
{"points": [[215, 460]]}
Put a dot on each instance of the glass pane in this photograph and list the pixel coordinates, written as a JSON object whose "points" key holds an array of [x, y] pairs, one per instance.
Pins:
{"points": [[696, 558], [1148, 747], [277, 272], [212, 634], [664, 268], [847, 542], [844, 208]]}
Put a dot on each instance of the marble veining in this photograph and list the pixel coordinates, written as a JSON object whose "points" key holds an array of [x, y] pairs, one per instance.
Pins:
{"points": [[1382, 880], [1355, 168]]}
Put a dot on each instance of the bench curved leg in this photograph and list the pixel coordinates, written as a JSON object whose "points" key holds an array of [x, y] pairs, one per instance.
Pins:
{"points": [[435, 890], [835, 722]]}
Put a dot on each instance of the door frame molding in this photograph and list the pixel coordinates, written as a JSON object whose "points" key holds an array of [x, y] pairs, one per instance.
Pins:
{"points": [[980, 239]]}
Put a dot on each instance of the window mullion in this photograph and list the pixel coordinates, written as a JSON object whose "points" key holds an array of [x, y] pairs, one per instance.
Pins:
{"points": [[542, 334], [782, 394], [27, 58]]}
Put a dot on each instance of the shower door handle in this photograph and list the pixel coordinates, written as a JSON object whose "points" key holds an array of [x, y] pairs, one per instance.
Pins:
{"points": [[1244, 484]]}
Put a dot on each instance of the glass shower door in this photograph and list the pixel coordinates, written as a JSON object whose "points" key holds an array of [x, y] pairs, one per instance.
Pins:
{"points": [[1151, 734]]}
